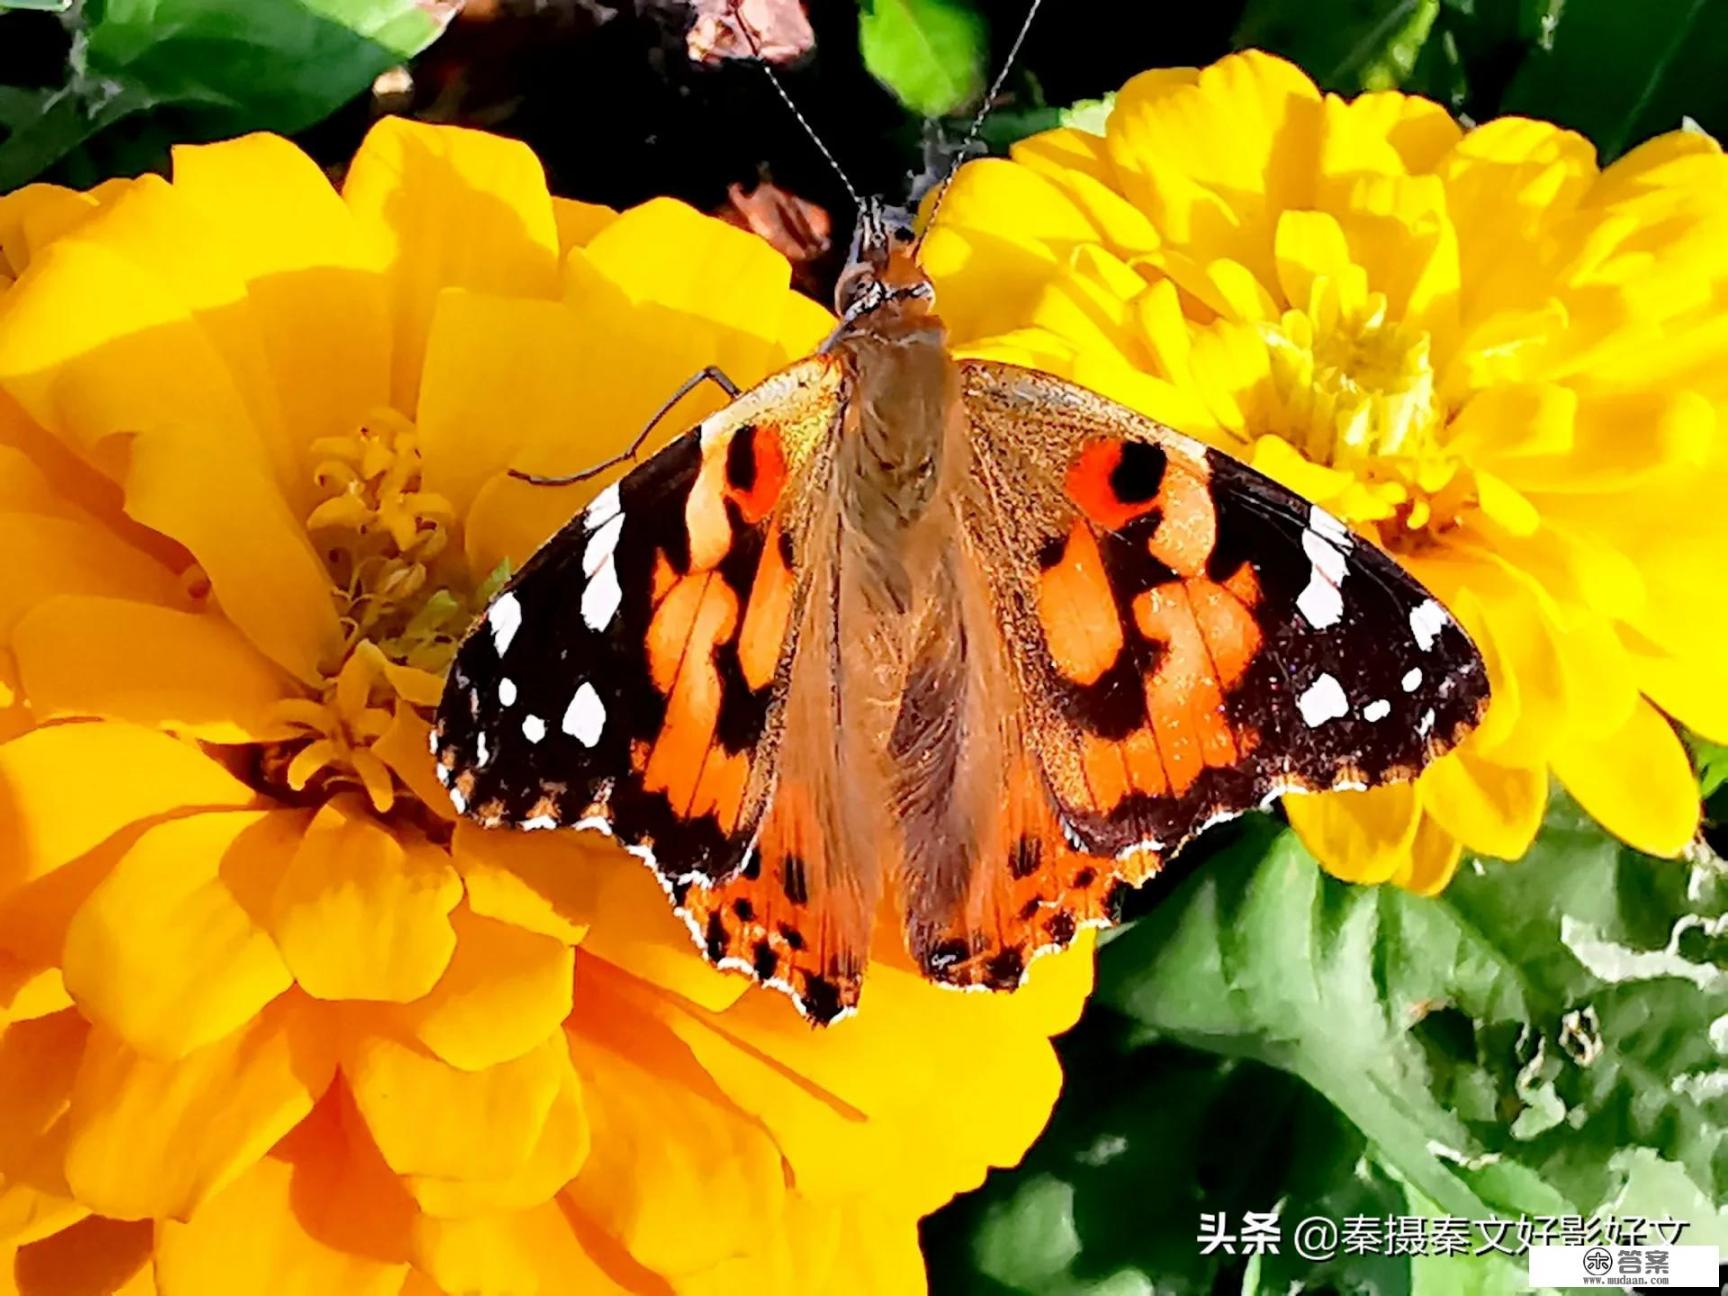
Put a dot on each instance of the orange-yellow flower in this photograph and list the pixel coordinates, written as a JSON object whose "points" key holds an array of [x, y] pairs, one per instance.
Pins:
{"points": [[272, 1020], [1508, 367]]}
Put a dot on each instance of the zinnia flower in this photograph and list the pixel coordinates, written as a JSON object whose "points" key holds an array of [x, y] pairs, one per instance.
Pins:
{"points": [[272, 1020], [1504, 365]]}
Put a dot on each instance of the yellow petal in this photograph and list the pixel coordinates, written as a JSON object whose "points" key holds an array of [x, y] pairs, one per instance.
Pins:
{"points": [[153, 1138], [1637, 783], [670, 256], [36, 215], [1434, 857], [1309, 245], [38, 1060], [161, 953], [508, 1254], [403, 748], [93, 1255], [28, 992], [271, 1230], [1213, 163], [680, 1194], [1420, 130], [430, 1118], [579, 222], [1358, 836], [442, 207], [363, 914], [541, 882], [843, 1109], [113, 659], [49, 778], [557, 1157], [56, 555], [257, 554], [318, 304], [505, 990], [632, 926], [1693, 690], [1493, 809]]}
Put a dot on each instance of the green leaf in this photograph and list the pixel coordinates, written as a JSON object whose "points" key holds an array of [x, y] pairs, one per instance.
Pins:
{"points": [[1496, 1045], [1621, 72], [1545, 1038], [218, 68], [1344, 44], [930, 53]]}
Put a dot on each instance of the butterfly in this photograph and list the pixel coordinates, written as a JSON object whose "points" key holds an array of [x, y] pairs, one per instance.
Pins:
{"points": [[947, 636]]}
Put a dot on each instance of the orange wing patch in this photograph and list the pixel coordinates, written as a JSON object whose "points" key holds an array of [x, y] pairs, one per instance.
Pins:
{"points": [[1030, 893], [780, 920]]}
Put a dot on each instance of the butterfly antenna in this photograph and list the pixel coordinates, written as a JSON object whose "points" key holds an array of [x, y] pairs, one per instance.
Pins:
{"points": [[785, 98], [978, 121]]}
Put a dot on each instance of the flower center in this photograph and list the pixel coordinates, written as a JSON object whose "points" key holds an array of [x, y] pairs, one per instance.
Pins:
{"points": [[1357, 392], [401, 595]]}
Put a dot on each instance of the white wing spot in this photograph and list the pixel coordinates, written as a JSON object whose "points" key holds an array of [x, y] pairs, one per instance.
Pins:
{"points": [[585, 717], [505, 618], [601, 544], [432, 741], [533, 728], [603, 507], [459, 801], [538, 821], [1412, 678], [601, 599], [480, 748], [1322, 600], [1427, 620], [443, 774], [1426, 723], [1328, 526], [506, 692], [1378, 709], [1323, 700]]}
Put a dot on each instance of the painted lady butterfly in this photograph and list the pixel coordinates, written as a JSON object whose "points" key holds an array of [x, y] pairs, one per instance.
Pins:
{"points": [[953, 634]]}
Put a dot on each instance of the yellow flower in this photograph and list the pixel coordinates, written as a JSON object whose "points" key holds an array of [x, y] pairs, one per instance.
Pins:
{"points": [[1506, 366], [272, 1020]]}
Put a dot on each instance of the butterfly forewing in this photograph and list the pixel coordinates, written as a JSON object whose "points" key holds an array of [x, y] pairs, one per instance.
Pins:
{"points": [[627, 677], [1193, 638]]}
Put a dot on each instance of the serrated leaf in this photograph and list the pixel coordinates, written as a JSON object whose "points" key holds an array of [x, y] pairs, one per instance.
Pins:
{"points": [[222, 69], [930, 53]]}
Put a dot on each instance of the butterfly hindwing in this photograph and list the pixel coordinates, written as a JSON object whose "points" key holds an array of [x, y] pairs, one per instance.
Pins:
{"points": [[627, 677]]}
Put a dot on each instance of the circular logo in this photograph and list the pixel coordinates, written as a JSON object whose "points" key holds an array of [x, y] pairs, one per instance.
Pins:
{"points": [[1598, 1260]]}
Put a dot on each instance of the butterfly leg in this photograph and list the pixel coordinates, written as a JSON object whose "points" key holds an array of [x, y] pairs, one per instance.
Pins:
{"points": [[711, 373]]}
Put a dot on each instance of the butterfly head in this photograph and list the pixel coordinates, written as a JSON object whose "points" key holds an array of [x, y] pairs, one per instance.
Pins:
{"points": [[883, 269]]}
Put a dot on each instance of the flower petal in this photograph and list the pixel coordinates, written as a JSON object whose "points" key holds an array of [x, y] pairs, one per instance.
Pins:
{"points": [[504, 991], [1358, 836], [267, 1231], [1493, 809], [579, 222], [114, 659], [403, 748], [363, 914], [93, 1255], [1434, 857], [317, 302], [446, 208], [557, 1157], [679, 1194], [506, 1254], [540, 882], [38, 1060], [47, 777], [155, 1139], [161, 953], [632, 927], [430, 1118], [47, 555], [1637, 783]]}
